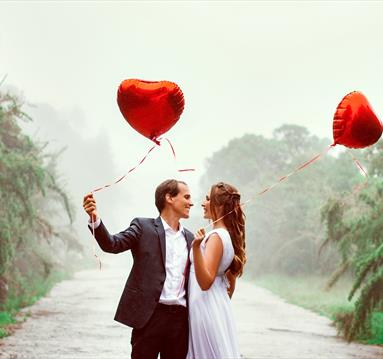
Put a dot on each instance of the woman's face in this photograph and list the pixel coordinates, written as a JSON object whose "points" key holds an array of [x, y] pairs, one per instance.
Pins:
{"points": [[206, 207]]}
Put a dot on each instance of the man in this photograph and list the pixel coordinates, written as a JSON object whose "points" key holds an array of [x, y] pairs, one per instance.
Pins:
{"points": [[154, 299]]}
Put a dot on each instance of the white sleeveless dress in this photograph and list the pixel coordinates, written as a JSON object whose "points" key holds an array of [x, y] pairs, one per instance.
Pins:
{"points": [[212, 332]]}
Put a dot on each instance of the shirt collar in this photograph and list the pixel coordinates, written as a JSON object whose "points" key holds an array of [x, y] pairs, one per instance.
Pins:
{"points": [[167, 228]]}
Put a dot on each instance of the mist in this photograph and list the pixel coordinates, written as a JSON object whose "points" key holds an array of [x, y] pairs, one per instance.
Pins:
{"points": [[261, 82], [244, 67]]}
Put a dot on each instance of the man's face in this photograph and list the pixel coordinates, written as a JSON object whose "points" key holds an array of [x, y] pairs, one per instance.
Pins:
{"points": [[181, 203]]}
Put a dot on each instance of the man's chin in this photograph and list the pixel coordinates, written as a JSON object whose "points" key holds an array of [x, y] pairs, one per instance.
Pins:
{"points": [[185, 215]]}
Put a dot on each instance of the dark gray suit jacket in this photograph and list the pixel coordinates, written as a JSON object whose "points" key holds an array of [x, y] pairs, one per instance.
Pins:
{"points": [[145, 237]]}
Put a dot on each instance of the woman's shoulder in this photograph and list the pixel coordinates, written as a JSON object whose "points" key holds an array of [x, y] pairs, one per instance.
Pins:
{"points": [[221, 232]]}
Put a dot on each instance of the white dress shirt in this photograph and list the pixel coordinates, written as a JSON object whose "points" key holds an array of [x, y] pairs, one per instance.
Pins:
{"points": [[173, 291]]}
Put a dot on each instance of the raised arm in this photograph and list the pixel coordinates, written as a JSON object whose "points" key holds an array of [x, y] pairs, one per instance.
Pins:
{"points": [[116, 243], [206, 265]]}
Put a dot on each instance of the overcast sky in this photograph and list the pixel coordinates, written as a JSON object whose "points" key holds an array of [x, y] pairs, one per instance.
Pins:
{"points": [[244, 67]]}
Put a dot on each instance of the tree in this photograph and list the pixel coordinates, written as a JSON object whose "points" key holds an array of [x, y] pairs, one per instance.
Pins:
{"points": [[29, 184], [355, 225], [284, 232]]}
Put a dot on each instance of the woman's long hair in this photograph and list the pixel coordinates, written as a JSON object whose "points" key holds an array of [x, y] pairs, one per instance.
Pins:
{"points": [[225, 202]]}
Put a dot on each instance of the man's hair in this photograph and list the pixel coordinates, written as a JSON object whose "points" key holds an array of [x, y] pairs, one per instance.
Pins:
{"points": [[169, 186]]}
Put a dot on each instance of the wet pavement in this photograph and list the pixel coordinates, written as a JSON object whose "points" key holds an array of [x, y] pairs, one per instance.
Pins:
{"points": [[76, 321]]}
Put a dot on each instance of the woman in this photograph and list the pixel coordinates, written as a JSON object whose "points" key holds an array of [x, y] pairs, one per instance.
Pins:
{"points": [[217, 258]]}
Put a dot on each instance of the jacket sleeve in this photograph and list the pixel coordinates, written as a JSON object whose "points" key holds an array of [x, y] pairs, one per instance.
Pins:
{"points": [[120, 242]]}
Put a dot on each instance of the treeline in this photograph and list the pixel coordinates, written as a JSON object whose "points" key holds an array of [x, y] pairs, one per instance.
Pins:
{"points": [[354, 224], [37, 240], [322, 220]]}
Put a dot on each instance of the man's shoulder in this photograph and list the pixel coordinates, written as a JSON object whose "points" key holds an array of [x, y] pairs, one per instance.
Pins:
{"points": [[144, 220]]}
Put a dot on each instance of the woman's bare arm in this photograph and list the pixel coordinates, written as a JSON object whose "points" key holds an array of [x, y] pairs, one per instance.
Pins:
{"points": [[206, 265]]}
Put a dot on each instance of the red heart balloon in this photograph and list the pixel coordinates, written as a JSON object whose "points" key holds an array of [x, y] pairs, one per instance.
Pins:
{"points": [[150, 107], [355, 124]]}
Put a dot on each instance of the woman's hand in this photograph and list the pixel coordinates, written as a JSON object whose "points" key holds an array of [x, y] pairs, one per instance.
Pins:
{"points": [[198, 237]]}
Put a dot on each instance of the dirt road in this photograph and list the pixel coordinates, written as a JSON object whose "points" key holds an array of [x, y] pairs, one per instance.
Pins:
{"points": [[76, 321]]}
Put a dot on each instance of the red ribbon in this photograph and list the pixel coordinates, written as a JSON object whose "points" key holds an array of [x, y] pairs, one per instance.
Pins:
{"points": [[299, 168], [280, 180], [158, 142]]}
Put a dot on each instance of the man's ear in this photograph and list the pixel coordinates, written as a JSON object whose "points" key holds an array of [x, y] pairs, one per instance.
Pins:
{"points": [[168, 198]]}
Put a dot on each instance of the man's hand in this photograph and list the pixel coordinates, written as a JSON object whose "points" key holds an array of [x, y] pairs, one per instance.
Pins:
{"points": [[90, 207]]}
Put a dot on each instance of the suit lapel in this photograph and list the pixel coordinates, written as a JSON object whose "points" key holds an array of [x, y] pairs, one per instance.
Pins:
{"points": [[189, 239], [161, 235]]}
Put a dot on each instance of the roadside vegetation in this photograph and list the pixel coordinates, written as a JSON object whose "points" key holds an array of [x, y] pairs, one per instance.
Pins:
{"points": [[38, 244], [322, 225]]}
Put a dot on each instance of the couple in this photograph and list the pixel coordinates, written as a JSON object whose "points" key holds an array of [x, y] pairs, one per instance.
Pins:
{"points": [[177, 296]]}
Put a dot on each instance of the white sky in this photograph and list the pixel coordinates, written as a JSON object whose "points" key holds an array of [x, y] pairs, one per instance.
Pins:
{"points": [[243, 67]]}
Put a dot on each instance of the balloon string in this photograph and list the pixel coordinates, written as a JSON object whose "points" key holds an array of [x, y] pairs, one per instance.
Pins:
{"points": [[358, 165], [362, 171], [94, 247], [175, 157], [3, 79], [143, 159], [109, 185], [158, 142], [122, 177], [280, 180]]}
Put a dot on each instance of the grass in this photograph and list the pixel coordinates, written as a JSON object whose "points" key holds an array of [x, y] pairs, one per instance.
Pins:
{"points": [[376, 329], [5, 320], [309, 292], [32, 291]]}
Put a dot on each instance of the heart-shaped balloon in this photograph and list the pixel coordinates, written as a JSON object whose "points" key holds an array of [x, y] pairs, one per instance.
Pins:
{"points": [[150, 107], [355, 124]]}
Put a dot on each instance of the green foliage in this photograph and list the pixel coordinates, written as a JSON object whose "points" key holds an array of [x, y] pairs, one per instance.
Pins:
{"points": [[21, 176], [6, 318], [33, 245], [310, 292], [376, 329], [355, 224], [374, 155], [33, 289], [284, 232], [30, 289]]}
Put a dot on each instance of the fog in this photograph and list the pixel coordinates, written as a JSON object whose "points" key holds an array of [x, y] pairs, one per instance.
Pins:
{"points": [[244, 67]]}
